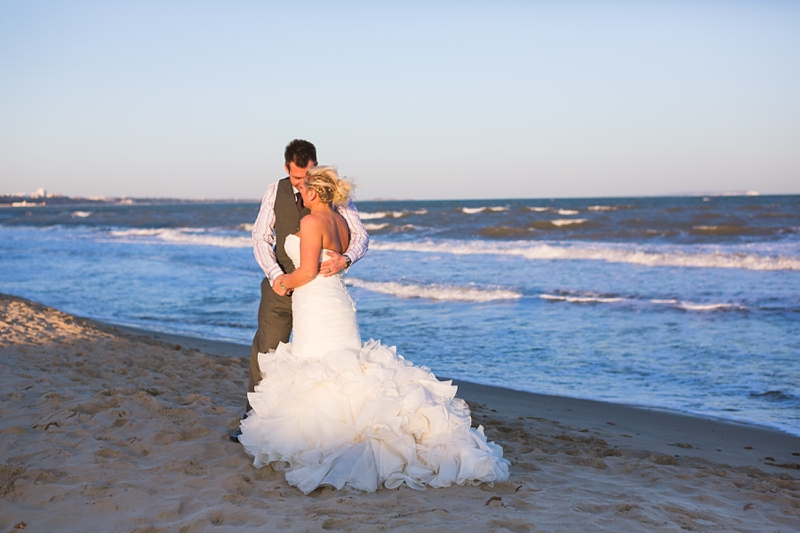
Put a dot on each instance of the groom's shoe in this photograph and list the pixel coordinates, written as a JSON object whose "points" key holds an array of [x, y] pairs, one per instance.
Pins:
{"points": [[234, 435]]}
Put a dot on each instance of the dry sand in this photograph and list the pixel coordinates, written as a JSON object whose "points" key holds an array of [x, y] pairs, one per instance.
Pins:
{"points": [[106, 429]]}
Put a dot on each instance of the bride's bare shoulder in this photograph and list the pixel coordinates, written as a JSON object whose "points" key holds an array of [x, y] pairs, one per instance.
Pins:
{"points": [[312, 222]]}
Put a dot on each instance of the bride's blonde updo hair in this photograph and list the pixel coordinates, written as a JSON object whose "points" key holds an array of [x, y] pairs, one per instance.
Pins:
{"points": [[331, 189]]}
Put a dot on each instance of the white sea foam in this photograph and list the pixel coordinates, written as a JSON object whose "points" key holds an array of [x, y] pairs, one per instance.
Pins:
{"points": [[81, 214], [181, 236], [567, 212], [686, 306], [538, 209], [707, 307], [608, 253], [473, 210], [601, 208], [375, 227], [384, 214], [138, 232], [567, 221], [245, 226], [433, 291], [580, 299]]}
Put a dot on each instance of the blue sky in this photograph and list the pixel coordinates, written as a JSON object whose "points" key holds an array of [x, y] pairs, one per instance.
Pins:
{"points": [[426, 100]]}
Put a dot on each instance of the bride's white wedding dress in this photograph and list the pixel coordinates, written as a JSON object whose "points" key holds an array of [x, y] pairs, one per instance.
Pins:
{"points": [[331, 411]]}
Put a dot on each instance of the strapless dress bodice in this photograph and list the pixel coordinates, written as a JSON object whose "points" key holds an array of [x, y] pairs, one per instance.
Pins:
{"points": [[323, 314]]}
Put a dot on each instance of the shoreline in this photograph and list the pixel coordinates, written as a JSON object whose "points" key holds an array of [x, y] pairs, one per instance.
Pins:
{"points": [[102, 424]]}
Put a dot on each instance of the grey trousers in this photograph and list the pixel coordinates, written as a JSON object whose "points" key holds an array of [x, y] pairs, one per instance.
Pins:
{"points": [[274, 326]]}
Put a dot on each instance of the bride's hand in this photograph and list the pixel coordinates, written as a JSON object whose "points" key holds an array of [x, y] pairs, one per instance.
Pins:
{"points": [[278, 286], [335, 264]]}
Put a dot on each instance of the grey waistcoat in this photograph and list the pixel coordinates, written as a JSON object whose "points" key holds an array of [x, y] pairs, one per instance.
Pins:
{"points": [[287, 221]]}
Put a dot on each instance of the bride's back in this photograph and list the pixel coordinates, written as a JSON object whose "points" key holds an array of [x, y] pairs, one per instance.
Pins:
{"points": [[322, 190], [335, 232]]}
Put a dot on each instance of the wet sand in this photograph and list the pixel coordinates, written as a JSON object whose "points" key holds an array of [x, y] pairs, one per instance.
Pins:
{"points": [[106, 428]]}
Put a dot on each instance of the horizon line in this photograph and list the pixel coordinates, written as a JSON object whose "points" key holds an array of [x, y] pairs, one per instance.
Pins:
{"points": [[687, 194]]}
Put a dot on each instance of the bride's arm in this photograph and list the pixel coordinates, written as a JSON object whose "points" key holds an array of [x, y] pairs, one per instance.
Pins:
{"points": [[310, 247]]}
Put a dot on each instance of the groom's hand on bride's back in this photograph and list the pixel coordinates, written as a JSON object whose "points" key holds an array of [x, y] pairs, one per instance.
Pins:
{"points": [[335, 263]]}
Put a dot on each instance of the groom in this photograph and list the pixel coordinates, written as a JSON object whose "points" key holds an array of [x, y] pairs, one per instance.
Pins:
{"points": [[280, 214]]}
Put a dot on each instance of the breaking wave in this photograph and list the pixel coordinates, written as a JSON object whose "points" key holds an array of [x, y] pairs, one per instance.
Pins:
{"points": [[580, 299], [189, 236], [594, 298], [610, 254], [391, 214], [433, 291], [567, 221], [473, 210], [375, 227]]}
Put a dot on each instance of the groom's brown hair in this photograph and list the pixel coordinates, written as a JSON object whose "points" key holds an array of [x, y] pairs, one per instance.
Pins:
{"points": [[301, 153]]}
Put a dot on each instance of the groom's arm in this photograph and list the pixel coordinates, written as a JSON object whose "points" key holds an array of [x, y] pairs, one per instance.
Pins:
{"points": [[359, 238], [264, 235]]}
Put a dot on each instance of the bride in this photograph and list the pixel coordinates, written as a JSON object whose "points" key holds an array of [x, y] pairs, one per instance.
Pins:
{"points": [[330, 410]]}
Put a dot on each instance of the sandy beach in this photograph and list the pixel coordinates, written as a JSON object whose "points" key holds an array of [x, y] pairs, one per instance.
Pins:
{"points": [[112, 429]]}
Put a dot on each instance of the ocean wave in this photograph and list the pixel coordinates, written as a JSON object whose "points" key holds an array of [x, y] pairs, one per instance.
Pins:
{"points": [[433, 291], [566, 212], [600, 207], [538, 209], [182, 236], [557, 223], [688, 306], [473, 210], [610, 254], [567, 221], [776, 396], [390, 214], [81, 214], [593, 298], [504, 232], [375, 227], [730, 229], [245, 226], [581, 299]]}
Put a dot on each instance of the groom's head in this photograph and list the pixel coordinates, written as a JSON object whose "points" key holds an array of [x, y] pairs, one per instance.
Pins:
{"points": [[299, 155]]}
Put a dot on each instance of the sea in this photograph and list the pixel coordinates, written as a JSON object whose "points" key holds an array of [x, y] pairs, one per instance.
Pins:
{"points": [[683, 303]]}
